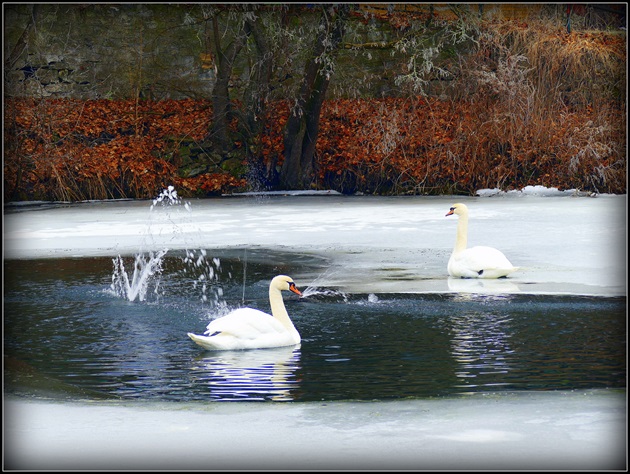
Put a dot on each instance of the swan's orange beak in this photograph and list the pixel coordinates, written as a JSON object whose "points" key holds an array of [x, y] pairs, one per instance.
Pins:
{"points": [[450, 212], [294, 289]]}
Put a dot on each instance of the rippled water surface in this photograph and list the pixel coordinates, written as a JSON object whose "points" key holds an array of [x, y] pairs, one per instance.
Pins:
{"points": [[68, 331]]}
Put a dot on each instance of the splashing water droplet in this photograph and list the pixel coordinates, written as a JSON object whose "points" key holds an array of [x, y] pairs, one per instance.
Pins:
{"points": [[317, 293], [146, 270], [147, 267]]}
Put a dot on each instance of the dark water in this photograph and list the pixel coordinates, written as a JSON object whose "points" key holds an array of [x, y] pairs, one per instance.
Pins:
{"points": [[67, 334]]}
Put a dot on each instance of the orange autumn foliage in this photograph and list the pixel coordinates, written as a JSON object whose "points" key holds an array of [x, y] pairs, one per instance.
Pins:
{"points": [[428, 146], [77, 150], [71, 150]]}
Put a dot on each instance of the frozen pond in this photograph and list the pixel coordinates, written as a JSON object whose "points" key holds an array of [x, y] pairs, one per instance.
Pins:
{"points": [[530, 431], [380, 320], [564, 245]]}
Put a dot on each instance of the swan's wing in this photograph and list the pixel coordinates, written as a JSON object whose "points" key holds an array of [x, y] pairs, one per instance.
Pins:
{"points": [[484, 262], [245, 323]]}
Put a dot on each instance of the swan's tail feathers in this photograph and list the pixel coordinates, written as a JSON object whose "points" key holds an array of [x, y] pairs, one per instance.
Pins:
{"points": [[198, 339], [508, 272], [203, 341]]}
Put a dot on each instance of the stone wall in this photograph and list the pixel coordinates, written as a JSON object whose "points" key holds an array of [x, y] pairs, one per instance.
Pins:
{"points": [[122, 51], [165, 51], [92, 51]]}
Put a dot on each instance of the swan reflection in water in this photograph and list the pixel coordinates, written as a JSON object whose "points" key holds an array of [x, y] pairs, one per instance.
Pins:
{"points": [[480, 345], [482, 286], [249, 375]]}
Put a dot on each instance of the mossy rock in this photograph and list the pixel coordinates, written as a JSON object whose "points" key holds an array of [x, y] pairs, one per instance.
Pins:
{"points": [[234, 166], [189, 172]]}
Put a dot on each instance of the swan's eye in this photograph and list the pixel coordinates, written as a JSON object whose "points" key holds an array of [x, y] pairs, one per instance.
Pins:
{"points": [[452, 209]]}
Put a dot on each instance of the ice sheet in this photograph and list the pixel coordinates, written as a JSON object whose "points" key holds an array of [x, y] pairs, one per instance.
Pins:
{"points": [[582, 430], [562, 244]]}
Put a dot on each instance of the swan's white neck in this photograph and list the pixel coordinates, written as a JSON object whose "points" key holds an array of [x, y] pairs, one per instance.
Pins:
{"points": [[278, 309], [461, 240]]}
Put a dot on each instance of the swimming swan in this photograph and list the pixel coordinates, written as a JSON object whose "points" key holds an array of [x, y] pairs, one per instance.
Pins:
{"points": [[474, 262], [248, 328]]}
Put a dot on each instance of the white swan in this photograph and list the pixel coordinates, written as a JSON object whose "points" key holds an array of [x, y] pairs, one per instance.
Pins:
{"points": [[474, 262], [247, 328]]}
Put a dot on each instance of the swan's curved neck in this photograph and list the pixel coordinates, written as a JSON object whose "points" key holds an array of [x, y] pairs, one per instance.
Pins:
{"points": [[461, 241], [278, 309]]}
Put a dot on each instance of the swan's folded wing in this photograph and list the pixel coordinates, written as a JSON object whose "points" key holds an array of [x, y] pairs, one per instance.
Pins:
{"points": [[246, 323], [485, 258]]}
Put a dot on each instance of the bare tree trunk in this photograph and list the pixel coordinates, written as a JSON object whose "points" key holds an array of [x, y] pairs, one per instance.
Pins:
{"points": [[299, 168], [222, 112], [261, 77], [256, 98]]}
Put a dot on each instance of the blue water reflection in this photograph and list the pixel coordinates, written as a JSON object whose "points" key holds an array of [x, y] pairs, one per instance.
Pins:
{"points": [[67, 334], [481, 347]]}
